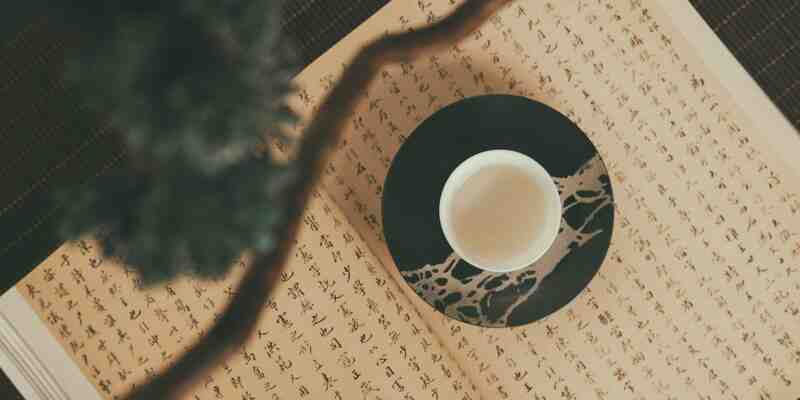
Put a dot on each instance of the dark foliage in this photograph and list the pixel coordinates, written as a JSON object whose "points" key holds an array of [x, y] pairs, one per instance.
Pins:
{"points": [[193, 87]]}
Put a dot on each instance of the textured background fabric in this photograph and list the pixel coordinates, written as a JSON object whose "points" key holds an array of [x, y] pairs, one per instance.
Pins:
{"points": [[47, 140], [765, 37]]}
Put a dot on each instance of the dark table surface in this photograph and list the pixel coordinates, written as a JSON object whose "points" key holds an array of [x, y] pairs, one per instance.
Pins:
{"points": [[763, 35]]}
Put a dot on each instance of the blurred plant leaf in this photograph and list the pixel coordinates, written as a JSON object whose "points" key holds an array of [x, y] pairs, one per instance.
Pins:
{"points": [[192, 87]]}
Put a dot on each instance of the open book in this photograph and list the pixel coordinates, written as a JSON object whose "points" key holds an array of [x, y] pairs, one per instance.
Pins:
{"points": [[698, 298]]}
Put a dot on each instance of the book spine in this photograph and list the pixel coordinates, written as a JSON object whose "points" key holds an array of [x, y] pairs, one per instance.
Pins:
{"points": [[33, 359]]}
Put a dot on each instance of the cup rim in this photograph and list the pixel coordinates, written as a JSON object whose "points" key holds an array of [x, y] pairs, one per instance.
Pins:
{"points": [[499, 155]]}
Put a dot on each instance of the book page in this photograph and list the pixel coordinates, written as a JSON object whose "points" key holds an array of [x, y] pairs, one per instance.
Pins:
{"points": [[698, 297], [337, 327]]}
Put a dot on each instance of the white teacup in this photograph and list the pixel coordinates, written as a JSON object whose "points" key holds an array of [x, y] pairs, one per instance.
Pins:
{"points": [[500, 210]]}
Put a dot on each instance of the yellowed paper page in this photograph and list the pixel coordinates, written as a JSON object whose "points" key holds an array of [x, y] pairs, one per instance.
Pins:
{"points": [[698, 297], [337, 328]]}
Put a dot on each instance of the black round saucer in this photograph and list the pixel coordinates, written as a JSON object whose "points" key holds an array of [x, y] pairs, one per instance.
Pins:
{"points": [[411, 210]]}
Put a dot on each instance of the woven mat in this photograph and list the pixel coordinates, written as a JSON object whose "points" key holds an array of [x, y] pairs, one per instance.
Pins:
{"points": [[765, 37]]}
